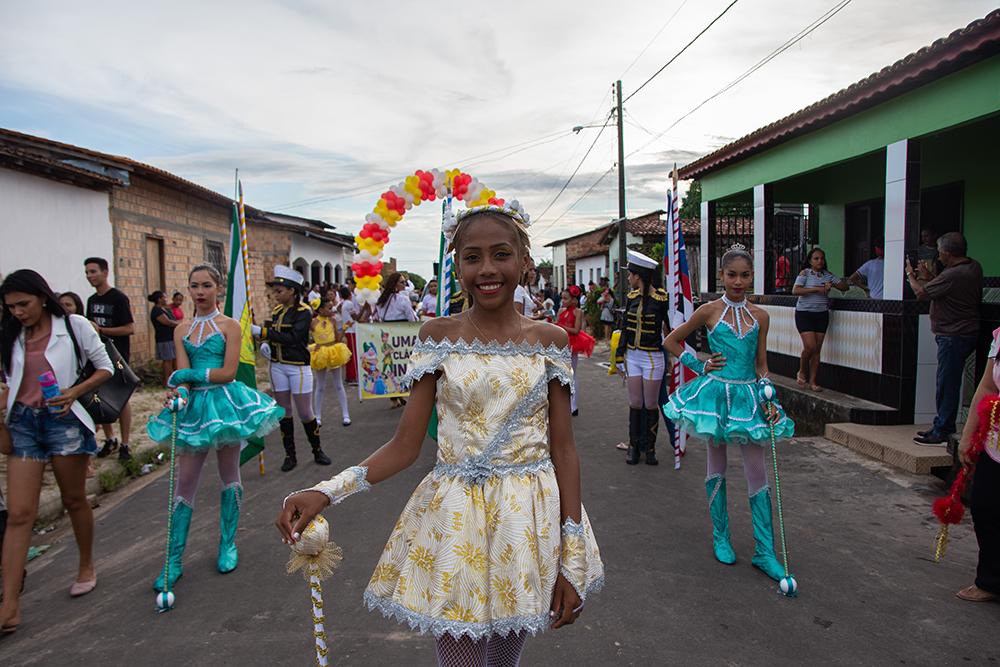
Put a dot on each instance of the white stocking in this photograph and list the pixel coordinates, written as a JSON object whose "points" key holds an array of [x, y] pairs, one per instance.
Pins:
{"points": [[188, 475], [338, 386], [319, 384], [228, 459], [754, 467], [717, 458], [572, 399]]}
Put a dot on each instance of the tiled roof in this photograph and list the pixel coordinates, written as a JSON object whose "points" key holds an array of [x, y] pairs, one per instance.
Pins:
{"points": [[977, 41]]}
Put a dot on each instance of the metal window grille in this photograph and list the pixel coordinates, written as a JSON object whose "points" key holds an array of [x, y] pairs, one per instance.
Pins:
{"points": [[215, 255]]}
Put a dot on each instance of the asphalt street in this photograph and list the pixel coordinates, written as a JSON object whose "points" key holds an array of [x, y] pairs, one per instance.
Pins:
{"points": [[860, 537]]}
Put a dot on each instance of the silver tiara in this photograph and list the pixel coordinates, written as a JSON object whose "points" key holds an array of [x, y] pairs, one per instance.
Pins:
{"points": [[737, 246]]}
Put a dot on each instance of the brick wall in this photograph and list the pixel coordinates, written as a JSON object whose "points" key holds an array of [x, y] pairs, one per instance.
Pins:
{"points": [[147, 208], [185, 222], [268, 247]]}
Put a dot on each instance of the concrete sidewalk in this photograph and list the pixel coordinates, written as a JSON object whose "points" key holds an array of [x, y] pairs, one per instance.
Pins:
{"points": [[860, 536]]}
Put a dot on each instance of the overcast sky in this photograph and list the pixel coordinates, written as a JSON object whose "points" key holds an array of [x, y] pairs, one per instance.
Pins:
{"points": [[321, 105]]}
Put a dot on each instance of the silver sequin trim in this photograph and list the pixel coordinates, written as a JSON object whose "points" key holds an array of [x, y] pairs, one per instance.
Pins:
{"points": [[571, 527], [476, 473]]}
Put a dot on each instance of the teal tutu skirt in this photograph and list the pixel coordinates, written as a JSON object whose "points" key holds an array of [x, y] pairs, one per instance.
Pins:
{"points": [[218, 415], [725, 411]]}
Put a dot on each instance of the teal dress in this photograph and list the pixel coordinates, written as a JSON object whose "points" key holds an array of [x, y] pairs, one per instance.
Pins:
{"points": [[217, 415], [723, 405]]}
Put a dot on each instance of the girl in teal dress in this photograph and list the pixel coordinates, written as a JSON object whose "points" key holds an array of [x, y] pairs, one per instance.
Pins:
{"points": [[723, 404], [220, 413]]}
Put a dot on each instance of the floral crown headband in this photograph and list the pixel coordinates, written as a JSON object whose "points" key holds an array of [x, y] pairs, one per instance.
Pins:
{"points": [[511, 209]]}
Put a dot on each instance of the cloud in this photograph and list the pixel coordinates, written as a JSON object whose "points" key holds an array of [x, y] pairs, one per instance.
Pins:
{"points": [[322, 105]]}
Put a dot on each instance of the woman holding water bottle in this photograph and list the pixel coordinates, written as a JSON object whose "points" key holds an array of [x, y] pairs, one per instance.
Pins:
{"points": [[46, 423]]}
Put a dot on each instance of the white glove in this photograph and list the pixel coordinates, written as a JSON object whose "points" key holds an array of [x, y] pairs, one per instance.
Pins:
{"points": [[255, 330]]}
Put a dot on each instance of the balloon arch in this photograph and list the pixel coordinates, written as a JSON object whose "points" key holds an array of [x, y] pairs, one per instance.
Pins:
{"points": [[392, 206]]}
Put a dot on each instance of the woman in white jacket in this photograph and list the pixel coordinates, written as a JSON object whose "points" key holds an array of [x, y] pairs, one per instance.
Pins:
{"points": [[34, 340]]}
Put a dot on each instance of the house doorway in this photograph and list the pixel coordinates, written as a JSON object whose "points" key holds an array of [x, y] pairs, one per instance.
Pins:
{"points": [[864, 223]]}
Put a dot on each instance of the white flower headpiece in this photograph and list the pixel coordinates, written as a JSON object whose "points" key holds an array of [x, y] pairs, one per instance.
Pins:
{"points": [[511, 209]]}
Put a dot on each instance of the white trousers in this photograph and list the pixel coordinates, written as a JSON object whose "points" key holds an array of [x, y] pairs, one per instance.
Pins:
{"points": [[289, 377]]}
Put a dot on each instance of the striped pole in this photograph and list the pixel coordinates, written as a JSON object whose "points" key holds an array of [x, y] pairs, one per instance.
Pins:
{"points": [[319, 631], [444, 266]]}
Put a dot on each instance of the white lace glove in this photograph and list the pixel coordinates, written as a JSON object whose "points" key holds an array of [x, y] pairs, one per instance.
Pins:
{"points": [[573, 557], [347, 483]]}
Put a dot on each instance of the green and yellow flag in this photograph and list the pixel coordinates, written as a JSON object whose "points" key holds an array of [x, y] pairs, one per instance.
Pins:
{"points": [[239, 307]]}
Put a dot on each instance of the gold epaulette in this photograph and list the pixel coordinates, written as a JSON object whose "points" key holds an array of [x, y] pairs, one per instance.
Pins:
{"points": [[277, 309], [633, 294], [660, 294]]}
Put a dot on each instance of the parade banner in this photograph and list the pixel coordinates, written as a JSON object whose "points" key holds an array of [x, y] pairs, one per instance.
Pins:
{"points": [[384, 357]]}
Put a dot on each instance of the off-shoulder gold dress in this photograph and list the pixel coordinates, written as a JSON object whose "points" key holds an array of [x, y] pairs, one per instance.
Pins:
{"points": [[478, 546]]}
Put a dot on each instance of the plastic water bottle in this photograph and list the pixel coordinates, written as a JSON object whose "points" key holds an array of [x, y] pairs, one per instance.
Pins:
{"points": [[50, 388]]}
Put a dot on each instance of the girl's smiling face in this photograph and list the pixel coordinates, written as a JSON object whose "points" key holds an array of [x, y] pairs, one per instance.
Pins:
{"points": [[490, 261]]}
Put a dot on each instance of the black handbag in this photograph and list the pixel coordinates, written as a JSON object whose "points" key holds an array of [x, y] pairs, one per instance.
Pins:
{"points": [[105, 403]]}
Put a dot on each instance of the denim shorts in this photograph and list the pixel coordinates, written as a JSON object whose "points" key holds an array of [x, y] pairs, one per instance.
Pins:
{"points": [[39, 434]]}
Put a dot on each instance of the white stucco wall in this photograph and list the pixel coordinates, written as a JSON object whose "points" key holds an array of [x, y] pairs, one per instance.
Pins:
{"points": [[312, 250], [52, 227], [599, 264], [559, 276]]}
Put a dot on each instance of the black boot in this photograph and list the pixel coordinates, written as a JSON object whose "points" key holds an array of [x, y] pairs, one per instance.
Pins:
{"points": [[312, 435], [652, 428], [288, 440], [635, 429]]}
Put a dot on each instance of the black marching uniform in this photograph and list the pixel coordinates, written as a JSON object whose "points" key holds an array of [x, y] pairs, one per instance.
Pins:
{"points": [[288, 333], [642, 342]]}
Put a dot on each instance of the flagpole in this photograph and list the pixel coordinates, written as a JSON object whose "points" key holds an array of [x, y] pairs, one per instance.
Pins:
{"points": [[245, 253]]}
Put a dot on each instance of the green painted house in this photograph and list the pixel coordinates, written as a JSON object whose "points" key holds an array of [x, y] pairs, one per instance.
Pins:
{"points": [[914, 146]]}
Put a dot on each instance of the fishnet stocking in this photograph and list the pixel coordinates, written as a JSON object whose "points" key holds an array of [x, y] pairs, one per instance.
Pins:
{"points": [[643, 393], [494, 651]]}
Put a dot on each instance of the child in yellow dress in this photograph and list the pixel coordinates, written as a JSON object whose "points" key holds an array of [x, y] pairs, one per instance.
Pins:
{"points": [[328, 357], [494, 543]]}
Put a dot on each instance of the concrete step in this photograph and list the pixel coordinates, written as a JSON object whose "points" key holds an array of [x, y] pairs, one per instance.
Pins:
{"points": [[812, 410], [891, 444]]}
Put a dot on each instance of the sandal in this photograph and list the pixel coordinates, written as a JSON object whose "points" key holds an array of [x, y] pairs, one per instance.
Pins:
{"points": [[816, 388], [800, 380], [975, 594]]}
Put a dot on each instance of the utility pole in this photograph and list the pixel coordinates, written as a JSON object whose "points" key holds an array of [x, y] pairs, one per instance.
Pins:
{"points": [[622, 250]]}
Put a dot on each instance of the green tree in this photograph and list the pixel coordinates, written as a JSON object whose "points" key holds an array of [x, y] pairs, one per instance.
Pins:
{"points": [[691, 204], [418, 281], [545, 263]]}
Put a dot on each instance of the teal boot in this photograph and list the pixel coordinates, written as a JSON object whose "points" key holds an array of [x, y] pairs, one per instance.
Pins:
{"points": [[180, 523], [715, 487], [229, 519], [763, 535]]}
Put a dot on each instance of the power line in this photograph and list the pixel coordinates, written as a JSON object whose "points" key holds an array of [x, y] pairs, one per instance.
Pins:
{"points": [[578, 200], [678, 54], [802, 34], [575, 171], [653, 39], [368, 188]]}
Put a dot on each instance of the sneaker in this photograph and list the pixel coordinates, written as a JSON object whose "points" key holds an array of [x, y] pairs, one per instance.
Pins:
{"points": [[110, 445], [923, 434], [124, 454], [347, 422], [932, 440]]}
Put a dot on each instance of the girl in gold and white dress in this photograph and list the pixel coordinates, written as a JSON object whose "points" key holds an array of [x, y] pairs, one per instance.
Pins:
{"points": [[494, 543]]}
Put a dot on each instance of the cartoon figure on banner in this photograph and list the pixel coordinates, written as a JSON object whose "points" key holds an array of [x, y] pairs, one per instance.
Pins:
{"points": [[369, 367]]}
